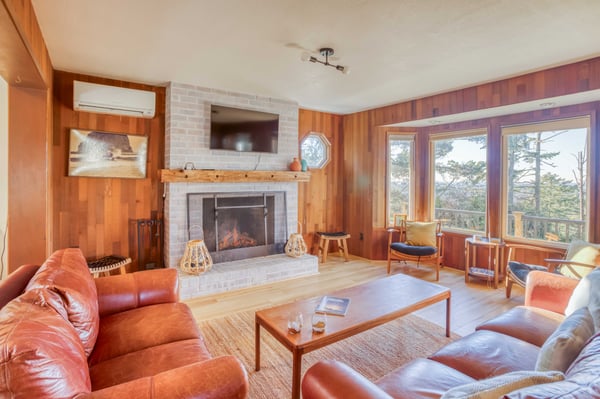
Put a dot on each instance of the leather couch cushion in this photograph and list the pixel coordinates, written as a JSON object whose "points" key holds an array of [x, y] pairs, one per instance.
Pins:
{"points": [[41, 354], [147, 362], [142, 328], [422, 378], [485, 354], [533, 325], [66, 273]]}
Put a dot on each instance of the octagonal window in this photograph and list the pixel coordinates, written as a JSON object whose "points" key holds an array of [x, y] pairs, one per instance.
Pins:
{"points": [[315, 150]]}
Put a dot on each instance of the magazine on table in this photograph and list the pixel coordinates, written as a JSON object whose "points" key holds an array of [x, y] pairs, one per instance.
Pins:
{"points": [[333, 305]]}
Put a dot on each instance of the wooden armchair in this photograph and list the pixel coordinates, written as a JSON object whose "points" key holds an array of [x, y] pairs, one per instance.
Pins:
{"points": [[580, 259], [417, 242]]}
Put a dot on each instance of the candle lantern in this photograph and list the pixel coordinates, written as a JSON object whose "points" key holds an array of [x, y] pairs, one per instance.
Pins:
{"points": [[295, 246], [196, 258]]}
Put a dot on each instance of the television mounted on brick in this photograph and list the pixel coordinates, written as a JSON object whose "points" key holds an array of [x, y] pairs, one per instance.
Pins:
{"points": [[243, 130]]}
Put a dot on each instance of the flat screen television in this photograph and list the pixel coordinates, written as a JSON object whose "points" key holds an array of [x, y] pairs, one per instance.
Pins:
{"points": [[243, 130]]}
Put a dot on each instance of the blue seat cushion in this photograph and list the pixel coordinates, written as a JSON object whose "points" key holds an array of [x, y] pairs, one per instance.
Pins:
{"points": [[519, 271], [413, 250]]}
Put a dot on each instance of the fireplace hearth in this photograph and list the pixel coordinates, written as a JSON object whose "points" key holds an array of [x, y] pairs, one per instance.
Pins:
{"points": [[237, 225]]}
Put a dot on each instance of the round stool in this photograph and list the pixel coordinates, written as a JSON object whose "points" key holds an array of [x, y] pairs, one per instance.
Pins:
{"points": [[106, 264], [340, 237]]}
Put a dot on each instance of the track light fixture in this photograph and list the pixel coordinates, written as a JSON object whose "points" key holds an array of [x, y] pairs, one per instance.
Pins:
{"points": [[325, 52]]}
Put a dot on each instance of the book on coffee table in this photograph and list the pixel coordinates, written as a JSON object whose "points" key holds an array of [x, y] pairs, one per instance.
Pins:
{"points": [[333, 305]]}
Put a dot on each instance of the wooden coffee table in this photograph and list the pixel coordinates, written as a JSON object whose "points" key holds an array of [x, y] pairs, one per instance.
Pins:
{"points": [[371, 304]]}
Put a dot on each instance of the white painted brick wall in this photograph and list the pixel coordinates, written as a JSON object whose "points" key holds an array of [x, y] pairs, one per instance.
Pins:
{"points": [[187, 140]]}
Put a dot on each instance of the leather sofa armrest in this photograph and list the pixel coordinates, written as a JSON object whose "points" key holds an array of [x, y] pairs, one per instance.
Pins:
{"points": [[330, 379], [220, 377], [122, 292], [549, 291], [15, 283]]}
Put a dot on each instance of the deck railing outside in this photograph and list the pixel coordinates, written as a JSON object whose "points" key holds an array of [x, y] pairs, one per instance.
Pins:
{"points": [[519, 225]]}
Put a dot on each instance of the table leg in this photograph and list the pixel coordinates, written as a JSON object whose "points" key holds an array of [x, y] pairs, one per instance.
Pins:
{"points": [[448, 317], [325, 249], [256, 345], [296, 371], [467, 260], [496, 262]]}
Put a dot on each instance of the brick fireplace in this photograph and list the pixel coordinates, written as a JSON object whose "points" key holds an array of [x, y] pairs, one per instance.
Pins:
{"points": [[187, 142]]}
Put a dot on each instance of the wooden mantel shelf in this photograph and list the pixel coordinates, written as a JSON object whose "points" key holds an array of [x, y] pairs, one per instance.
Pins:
{"points": [[230, 176]]}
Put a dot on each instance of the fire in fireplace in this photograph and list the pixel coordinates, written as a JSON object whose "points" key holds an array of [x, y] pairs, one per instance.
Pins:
{"points": [[238, 225], [236, 239]]}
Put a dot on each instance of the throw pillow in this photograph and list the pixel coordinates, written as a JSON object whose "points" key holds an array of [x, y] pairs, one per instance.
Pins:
{"points": [[582, 252], [580, 296], [563, 346], [587, 293], [594, 304], [495, 387], [421, 233]]}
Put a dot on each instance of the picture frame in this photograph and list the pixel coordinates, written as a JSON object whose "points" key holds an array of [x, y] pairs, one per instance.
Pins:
{"points": [[101, 154]]}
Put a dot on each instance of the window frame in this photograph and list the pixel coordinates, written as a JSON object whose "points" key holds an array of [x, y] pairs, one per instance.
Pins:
{"points": [[523, 128], [411, 138], [323, 139], [433, 137]]}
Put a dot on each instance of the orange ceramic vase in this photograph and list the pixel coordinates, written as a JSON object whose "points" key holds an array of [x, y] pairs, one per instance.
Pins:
{"points": [[296, 166]]}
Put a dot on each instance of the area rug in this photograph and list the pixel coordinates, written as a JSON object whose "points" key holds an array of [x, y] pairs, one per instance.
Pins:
{"points": [[373, 353]]}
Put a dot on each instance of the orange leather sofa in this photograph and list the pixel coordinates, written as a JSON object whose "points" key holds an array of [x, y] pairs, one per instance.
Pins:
{"points": [[64, 334], [509, 342]]}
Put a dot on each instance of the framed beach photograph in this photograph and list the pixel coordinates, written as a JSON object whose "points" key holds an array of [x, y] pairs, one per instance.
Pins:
{"points": [[101, 154]]}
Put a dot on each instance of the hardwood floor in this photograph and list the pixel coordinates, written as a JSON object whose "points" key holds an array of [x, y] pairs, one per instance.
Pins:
{"points": [[471, 303]]}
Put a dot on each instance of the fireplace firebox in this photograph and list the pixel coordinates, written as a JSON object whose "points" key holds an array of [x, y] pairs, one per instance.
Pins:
{"points": [[238, 226]]}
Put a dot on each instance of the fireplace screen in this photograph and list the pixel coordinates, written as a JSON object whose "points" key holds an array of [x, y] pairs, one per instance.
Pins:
{"points": [[237, 226]]}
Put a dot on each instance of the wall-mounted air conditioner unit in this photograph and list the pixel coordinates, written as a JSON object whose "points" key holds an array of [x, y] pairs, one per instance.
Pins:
{"points": [[91, 97]]}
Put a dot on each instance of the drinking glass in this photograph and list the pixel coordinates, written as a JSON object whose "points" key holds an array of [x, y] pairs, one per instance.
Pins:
{"points": [[319, 321], [295, 322]]}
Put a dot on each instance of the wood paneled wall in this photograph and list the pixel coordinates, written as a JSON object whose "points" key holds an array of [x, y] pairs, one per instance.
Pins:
{"points": [[25, 61], [321, 201], [365, 149], [358, 203], [28, 195], [96, 214], [558, 81], [26, 67]]}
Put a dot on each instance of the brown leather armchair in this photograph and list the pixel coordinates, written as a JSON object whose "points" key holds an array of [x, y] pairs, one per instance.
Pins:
{"points": [[69, 335]]}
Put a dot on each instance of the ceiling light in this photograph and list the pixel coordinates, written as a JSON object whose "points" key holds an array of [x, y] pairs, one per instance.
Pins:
{"points": [[325, 52]]}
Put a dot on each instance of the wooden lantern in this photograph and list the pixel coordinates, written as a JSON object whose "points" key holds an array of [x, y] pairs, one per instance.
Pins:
{"points": [[295, 246], [196, 258]]}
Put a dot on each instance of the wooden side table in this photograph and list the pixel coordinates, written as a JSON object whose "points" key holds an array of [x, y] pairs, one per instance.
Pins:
{"points": [[324, 239], [490, 270]]}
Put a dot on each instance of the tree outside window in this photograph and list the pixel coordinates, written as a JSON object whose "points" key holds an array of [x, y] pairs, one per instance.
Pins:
{"points": [[400, 175], [546, 168], [460, 180]]}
